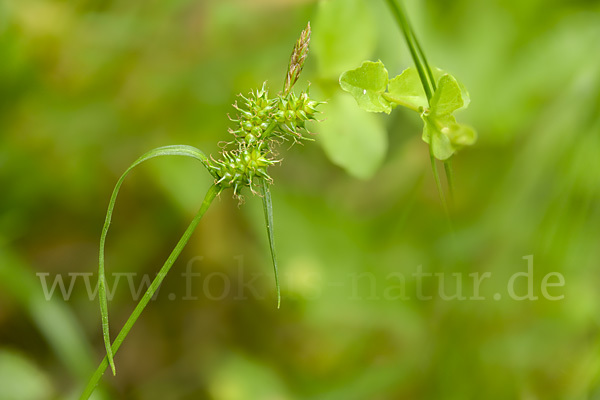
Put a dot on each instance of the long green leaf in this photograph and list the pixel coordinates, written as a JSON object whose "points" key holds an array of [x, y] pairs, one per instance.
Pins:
{"points": [[176, 150], [268, 208], [210, 195]]}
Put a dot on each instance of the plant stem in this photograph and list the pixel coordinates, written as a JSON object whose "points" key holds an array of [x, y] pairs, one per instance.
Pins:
{"points": [[429, 86], [210, 195], [438, 183], [176, 150], [450, 180], [401, 103], [415, 49]]}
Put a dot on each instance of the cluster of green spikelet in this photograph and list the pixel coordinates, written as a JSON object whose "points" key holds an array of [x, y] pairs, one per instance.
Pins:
{"points": [[262, 122]]}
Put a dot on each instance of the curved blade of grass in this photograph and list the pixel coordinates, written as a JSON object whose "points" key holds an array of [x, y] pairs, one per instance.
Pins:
{"points": [[210, 195], [176, 150], [268, 208]]}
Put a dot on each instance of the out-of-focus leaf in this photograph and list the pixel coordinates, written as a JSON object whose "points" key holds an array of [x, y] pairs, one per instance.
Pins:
{"points": [[343, 35], [462, 135], [353, 139], [368, 84], [52, 318], [239, 378], [20, 379]]}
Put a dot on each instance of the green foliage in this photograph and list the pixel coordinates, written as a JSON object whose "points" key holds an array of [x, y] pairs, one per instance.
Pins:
{"points": [[406, 89], [374, 92], [86, 87], [261, 124], [20, 379], [345, 33], [176, 150], [368, 85], [354, 140], [441, 130]]}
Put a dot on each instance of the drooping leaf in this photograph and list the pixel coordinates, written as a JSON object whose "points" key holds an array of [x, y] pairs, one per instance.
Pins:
{"points": [[212, 192], [176, 150], [268, 209], [353, 140], [406, 90], [368, 84]]}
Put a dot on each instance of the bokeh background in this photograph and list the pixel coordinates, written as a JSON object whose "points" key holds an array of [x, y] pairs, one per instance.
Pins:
{"points": [[87, 86]]}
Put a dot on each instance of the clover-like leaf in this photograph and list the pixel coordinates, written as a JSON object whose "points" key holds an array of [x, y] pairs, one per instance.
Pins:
{"points": [[435, 124], [441, 130], [448, 97], [446, 136], [368, 84], [439, 73], [441, 146], [406, 89]]}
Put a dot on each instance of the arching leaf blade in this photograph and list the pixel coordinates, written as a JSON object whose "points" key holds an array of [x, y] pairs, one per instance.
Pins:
{"points": [[175, 150]]}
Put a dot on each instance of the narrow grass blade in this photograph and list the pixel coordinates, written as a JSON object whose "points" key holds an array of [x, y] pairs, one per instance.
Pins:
{"points": [[210, 195], [176, 150], [268, 208]]}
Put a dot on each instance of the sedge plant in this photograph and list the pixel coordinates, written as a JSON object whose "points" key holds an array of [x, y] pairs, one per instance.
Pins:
{"points": [[431, 92], [262, 122]]}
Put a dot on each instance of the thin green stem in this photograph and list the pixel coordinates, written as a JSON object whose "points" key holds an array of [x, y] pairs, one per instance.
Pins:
{"points": [[425, 62], [429, 86], [210, 195], [415, 49], [401, 103], [438, 183], [176, 150], [450, 180]]}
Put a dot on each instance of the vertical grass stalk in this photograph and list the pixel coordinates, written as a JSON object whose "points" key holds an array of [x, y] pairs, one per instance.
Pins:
{"points": [[429, 86]]}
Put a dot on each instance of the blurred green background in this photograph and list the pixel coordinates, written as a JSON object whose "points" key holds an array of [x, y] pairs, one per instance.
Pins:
{"points": [[86, 86]]}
